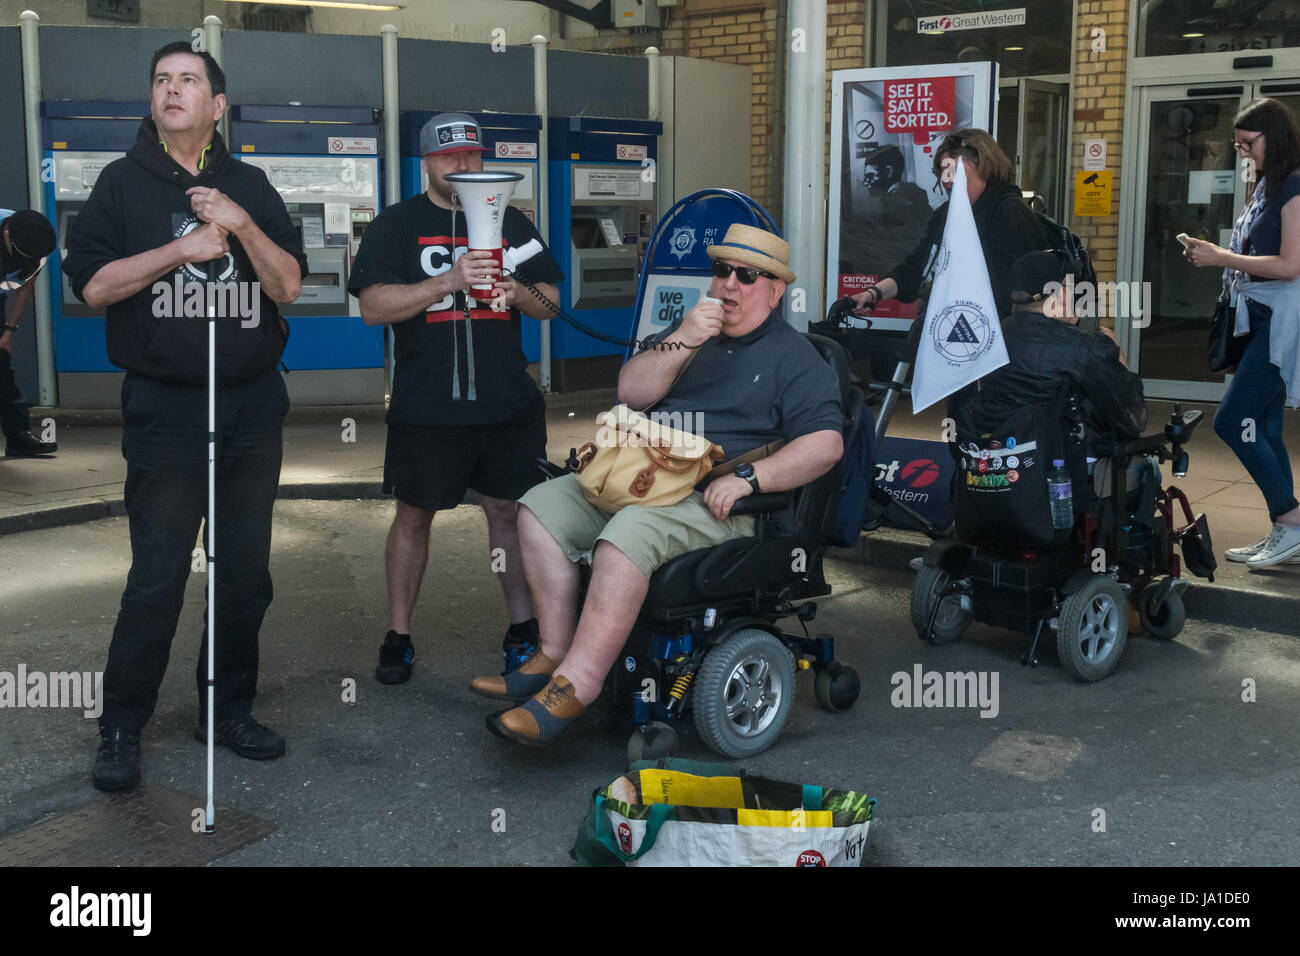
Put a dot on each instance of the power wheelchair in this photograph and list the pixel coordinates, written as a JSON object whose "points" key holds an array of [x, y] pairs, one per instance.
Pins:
{"points": [[1121, 549], [708, 639]]}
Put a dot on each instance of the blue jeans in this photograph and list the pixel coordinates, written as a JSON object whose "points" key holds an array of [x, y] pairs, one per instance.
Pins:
{"points": [[1258, 394], [164, 440]]}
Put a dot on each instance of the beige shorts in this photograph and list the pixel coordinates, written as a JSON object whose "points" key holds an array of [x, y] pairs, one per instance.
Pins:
{"points": [[648, 536]]}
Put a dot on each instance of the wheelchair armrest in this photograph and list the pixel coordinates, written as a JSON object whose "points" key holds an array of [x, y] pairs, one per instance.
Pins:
{"points": [[761, 504], [1144, 445], [550, 469]]}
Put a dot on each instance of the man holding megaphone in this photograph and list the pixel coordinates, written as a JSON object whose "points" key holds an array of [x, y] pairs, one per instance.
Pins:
{"points": [[464, 413]]}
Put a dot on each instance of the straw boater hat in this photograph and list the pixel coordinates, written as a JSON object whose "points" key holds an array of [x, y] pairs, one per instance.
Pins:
{"points": [[755, 247]]}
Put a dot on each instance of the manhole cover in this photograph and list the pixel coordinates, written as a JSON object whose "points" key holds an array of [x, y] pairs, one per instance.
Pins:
{"points": [[151, 826]]}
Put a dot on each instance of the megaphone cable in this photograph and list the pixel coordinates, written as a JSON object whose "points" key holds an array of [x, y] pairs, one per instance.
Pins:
{"points": [[640, 345]]}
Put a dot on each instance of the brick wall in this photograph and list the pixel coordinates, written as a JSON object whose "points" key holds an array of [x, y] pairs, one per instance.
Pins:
{"points": [[1099, 78]]}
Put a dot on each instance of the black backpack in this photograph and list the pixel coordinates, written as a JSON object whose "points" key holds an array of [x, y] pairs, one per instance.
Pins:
{"points": [[1054, 236]]}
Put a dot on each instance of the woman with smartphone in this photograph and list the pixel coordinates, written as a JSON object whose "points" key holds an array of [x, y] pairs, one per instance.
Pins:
{"points": [[1262, 269]]}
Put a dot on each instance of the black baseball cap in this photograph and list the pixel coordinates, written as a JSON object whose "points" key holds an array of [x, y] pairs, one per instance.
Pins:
{"points": [[1032, 273]]}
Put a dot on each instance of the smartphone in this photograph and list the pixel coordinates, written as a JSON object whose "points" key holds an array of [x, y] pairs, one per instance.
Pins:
{"points": [[1184, 238]]}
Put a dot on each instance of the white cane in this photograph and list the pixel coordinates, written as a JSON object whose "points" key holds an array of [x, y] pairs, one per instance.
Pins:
{"points": [[210, 824]]}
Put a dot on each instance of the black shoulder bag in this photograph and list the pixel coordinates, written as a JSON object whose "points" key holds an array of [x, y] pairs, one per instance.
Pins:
{"points": [[1225, 348]]}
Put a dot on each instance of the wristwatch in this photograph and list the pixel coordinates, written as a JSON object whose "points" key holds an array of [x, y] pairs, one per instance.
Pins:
{"points": [[746, 471]]}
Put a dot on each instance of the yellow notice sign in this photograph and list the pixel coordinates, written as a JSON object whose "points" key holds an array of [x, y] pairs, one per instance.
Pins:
{"points": [[1092, 193]]}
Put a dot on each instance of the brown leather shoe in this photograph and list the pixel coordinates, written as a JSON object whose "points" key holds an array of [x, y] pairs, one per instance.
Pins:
{"points": [[532, 675], [544, 717]]}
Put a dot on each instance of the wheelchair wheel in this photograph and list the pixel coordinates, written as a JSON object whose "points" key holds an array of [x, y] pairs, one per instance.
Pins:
{"points": [[950, 622], [1092, 629], [1165, 625], [837, 687], [657, 741], [743, 693]]}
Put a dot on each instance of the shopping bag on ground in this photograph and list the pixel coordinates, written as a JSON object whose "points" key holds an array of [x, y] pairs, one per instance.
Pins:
{"points": [[679, 813]]}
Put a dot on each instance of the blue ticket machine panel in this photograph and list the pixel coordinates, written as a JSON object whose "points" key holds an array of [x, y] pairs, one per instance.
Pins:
{"points": [[324, 162], [512, 145], [80, 139], [602, 215]]}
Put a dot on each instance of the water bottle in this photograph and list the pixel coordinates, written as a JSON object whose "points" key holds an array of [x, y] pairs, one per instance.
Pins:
{"points": [[1059, 493]]}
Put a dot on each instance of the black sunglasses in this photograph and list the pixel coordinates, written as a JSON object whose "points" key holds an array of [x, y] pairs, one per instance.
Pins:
{"points": [[747, 275]]}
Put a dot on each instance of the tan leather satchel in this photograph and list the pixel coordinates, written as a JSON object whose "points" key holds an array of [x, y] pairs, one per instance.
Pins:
{"points": [[637, 461]]}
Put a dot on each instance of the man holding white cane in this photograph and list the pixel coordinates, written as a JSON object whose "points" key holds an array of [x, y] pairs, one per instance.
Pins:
{"points": [[141, 248]]}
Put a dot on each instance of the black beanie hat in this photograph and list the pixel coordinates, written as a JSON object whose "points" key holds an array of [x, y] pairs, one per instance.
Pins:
{"points": [[30, 234]]}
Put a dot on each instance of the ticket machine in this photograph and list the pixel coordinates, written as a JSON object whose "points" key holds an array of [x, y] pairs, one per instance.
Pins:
{"points": [[324, 162], [80, 139], [602, 215]]}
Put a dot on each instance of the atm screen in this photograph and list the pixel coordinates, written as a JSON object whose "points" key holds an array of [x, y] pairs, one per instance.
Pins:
{"points": [[321, 279]]}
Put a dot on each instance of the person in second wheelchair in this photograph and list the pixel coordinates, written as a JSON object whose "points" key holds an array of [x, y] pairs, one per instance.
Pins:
{"points": [[1065, 394], [748, 379], [1048, 354]]}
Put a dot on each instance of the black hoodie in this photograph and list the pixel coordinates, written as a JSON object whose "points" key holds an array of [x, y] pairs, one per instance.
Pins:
{"points": [[139, 204], [1008, 229]]}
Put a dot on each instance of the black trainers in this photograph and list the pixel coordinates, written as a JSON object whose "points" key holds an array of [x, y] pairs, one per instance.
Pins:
{"points": [[245, 736], [26, 445], [519, 644], [117, 765], [396, 656]]}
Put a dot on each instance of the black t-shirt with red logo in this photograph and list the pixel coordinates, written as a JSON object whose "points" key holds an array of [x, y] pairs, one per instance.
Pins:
{"points": [[449, 371]]}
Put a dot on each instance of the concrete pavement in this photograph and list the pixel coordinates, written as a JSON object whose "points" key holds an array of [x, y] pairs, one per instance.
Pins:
{"points": [[326, 459]]}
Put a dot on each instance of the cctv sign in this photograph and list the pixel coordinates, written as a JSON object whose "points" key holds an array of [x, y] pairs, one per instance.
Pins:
{"points": [[952, 22]]}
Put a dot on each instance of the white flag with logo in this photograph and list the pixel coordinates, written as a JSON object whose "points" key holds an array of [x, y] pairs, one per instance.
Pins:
{"points": [[962, 339]]}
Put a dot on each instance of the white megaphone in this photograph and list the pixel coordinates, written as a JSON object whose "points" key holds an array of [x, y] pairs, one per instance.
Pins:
{"points": [[484, 197]]}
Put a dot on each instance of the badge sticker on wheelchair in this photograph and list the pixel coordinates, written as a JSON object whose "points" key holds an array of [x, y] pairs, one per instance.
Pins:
{"points": [[1013, 476], [1011, 442], [630, 663], [1013, 462], [997, 463]]}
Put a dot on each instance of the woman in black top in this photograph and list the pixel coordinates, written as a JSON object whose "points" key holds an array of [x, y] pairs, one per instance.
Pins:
{"points": [[1262, 268], [1007, 228]]}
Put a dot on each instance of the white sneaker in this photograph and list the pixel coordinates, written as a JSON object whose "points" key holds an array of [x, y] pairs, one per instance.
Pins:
{"points": [[1282, 543], [1243, 555]]}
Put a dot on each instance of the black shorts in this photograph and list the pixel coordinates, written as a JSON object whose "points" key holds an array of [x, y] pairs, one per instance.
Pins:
{"points": [[432, 466]]}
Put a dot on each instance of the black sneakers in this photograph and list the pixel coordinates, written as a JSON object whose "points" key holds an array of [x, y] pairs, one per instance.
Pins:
{"points": [[396, 656], [520, 642], [245, 736], [117, 765], [26, 445]]}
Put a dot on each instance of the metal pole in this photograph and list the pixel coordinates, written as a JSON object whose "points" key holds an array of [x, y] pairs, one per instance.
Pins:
{"points": [[805, 171], [392, 161], [211, 819], [212, 43], [46, 377], [652, 64], [543, 191]]}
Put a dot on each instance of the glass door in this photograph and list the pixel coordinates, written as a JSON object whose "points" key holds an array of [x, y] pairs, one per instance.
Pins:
{"points": [[1040, 161], [1032, 132], [1192, 183]]}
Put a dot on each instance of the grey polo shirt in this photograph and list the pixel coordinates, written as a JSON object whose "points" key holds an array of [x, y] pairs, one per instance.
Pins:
{"points": [[747, 391]]}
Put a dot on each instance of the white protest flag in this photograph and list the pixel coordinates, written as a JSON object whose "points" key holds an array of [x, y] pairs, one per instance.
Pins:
{"points": [[962, 339]]}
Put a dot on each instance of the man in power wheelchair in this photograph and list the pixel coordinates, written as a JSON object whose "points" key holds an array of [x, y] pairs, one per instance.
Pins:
{"points": [[710, 578], [1065, 395]]}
